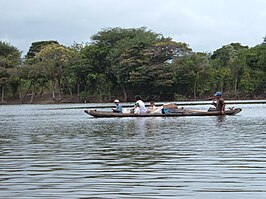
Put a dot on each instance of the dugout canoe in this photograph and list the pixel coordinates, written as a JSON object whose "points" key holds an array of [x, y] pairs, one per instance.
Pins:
{"points": [[178, 113]]}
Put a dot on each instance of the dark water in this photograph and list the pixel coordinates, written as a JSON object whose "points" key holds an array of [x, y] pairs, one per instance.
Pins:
{"points": [[47, 151]]}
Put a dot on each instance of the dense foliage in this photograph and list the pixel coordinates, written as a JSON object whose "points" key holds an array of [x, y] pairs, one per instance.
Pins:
{"points": [[124, 62]]}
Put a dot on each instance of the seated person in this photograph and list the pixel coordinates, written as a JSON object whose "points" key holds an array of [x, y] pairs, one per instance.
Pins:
{"points": [[219, 104], [152, 108], [118, 108], [139, 107]]}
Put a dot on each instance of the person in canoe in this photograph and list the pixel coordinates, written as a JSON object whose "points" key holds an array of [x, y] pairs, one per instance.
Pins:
{"points": [[139, 107], [219, 104], [118, 108], [153, 109]]}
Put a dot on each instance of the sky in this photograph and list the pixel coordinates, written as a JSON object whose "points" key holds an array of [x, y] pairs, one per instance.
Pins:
{"points": [[205, 25]]}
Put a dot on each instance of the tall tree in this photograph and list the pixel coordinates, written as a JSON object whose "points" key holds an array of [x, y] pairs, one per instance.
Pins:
{"points": [[156, 70], [129, 56], [54, 58], [9, 58], [96, 67], [193, 75], [36, 47], [228, 63], [256, 60]]}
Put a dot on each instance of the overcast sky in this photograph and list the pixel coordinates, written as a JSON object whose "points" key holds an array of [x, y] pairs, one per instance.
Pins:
{"points": [[205, 25]]}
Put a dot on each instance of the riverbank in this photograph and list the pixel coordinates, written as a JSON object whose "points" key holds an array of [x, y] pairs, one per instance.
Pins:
{"points": [[41, 99]]}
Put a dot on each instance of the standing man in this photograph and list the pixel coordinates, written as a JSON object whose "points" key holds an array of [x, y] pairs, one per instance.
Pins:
{"points": [[219, 104], [118, 108]]}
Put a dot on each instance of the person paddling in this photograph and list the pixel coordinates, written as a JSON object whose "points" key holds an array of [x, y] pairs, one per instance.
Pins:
{"points": [[219, 104]]}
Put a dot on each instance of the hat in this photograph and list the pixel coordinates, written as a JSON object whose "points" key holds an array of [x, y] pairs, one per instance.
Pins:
{"points": [[116, 101], [218, 94]]}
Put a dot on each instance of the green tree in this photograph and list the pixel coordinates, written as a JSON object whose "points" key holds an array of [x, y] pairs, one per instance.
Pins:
{"points": [[54, 59], [264, 40], [229, 63], [9, 58], [36, 47], [117, 45], [125, 58], [256, 61], [133, 59], [95, 66], [246, 84], [32, 81], [156, 70], [193, 75], [80, 73], [4, 75]]}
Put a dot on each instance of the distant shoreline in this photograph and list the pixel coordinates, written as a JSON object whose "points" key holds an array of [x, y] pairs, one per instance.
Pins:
{"points": [[189, 102]]}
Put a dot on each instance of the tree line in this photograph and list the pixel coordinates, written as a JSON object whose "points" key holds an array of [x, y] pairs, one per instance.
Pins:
{"points": [[120, 63]]}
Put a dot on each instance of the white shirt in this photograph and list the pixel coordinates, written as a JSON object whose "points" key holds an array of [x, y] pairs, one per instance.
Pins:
{"points": [[141, 106]]}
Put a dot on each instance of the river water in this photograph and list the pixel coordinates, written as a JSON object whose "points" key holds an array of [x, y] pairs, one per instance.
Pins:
{"points": [[58, 151]]}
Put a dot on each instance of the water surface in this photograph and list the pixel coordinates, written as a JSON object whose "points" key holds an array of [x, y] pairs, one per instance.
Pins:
{"points": [[57, 151]]}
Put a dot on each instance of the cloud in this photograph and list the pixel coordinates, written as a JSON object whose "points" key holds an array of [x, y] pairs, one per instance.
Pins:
{"points": [[205, 25]]}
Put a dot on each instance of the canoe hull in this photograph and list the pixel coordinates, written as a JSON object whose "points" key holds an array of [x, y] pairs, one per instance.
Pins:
{"points": [[183, 113]]}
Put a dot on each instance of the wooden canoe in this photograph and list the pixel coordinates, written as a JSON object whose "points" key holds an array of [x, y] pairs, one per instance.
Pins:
{"points": [[182, 112]]}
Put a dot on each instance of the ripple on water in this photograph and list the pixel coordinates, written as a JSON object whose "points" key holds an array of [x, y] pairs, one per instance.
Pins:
{"points": [[47, 152]]}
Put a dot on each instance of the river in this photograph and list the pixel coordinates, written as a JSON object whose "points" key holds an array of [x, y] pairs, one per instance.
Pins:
{"points": [[58, 151]]}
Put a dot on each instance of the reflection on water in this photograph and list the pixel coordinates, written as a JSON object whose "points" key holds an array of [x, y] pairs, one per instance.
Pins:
{"points": [[47, 152]]}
